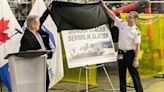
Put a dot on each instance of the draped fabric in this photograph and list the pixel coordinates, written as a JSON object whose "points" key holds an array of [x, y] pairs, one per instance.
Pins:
{"points": [[152, 46], [67, 16]]}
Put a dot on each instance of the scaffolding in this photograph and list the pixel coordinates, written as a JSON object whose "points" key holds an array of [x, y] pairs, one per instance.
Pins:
{"points": [[21, 8]]}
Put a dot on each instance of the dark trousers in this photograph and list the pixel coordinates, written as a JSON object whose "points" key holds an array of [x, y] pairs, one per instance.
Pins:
{"points": [[47, 80], [125, 60]]}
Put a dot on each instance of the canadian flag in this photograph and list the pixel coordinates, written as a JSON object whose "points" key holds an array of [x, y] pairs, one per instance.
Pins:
{"points": [[9, 39]]}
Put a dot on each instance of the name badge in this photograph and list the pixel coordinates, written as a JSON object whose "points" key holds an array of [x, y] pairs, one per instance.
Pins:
{"points": [[120, 56]]}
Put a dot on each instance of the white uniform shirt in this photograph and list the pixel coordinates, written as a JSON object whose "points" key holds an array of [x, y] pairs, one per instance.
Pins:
{"points": [[128, 36]]}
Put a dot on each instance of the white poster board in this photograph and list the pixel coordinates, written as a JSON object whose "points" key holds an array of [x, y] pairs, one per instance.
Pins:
{"points": [[88, 46]]}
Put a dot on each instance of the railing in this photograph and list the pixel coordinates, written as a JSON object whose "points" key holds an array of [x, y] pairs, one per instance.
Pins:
{"points": [[131, 1]]}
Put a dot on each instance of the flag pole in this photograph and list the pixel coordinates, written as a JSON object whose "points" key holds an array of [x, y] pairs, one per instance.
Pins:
{"points": [[9, 38]]}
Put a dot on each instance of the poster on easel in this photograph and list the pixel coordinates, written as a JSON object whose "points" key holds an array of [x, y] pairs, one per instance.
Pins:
{"points": [[88, 46]]}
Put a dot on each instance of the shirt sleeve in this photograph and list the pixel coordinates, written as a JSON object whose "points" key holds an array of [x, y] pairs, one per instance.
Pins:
{"points": [[137, 37], [118, 22]]}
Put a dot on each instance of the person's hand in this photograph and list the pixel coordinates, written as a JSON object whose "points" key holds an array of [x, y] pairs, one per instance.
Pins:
{"points": [[103, 3], [50, 7], [135, 63]]}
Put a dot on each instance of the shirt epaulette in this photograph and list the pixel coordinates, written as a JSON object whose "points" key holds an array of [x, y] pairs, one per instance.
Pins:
{"points": [[138, 32]]}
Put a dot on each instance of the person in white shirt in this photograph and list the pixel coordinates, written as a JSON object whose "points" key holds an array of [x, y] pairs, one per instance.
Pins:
{"points": [[129, 46]]}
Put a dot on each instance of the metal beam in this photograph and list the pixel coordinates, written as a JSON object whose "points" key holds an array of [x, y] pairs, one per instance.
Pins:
{"points": [[132, 1]]}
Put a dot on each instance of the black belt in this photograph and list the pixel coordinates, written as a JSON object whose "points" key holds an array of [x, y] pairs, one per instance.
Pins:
{"points": [[125, 51]]}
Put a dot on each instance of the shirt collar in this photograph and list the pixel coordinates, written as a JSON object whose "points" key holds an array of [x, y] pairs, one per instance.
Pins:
{"points": [[133, 27]]}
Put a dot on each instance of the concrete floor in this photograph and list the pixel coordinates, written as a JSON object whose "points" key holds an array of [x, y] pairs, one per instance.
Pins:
{"points": [[149, 84]]}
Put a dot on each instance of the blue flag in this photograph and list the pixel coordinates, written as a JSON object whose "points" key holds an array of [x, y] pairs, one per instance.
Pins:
{"points": [[5, 76]]}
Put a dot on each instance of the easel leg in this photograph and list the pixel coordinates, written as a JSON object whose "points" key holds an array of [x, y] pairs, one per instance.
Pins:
{"points": [[108, 77], [79, 80], [87, 86]]}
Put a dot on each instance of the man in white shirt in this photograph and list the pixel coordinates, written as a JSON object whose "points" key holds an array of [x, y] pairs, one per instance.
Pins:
{"points": [[129, 47]]}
